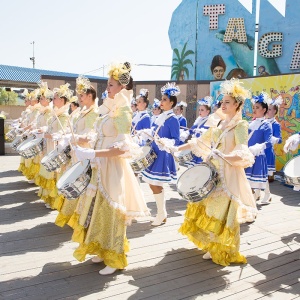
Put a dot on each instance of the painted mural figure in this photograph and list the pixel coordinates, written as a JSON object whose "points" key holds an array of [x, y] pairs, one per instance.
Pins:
{"points": [[212, 224], [218, 67], [295, 106]]}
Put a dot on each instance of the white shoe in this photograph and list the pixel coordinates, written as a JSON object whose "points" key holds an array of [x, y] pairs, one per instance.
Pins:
{"points": [[207, 255], [256, 194], [47, 205], [161, 216], [107, 271], [97, 259], [31, 181], [267, 199]]}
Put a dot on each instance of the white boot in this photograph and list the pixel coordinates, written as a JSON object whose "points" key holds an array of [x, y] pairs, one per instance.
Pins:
{"points": [[267, 198], [206, 256], [256, 194], [97, 259], [107, 271], [161, 216]]}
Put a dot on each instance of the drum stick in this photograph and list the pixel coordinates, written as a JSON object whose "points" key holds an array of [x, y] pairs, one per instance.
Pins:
{"points": [[72, 132], [217, 154], [71, 146], [185, 128]]}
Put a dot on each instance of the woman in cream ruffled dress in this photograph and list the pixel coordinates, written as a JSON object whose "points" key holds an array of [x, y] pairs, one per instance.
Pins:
{"points": [[82, 122], [213, 224], [113, 198]]}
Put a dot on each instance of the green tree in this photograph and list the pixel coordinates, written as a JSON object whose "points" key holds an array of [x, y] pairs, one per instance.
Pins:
{"points": [[180, 63], [8, 97]]}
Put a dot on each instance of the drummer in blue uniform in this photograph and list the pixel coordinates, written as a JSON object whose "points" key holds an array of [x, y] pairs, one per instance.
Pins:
{"points": [[260, 134], [199, 126], [156, 110], [141, 120], [166, 133], [276, 139]]}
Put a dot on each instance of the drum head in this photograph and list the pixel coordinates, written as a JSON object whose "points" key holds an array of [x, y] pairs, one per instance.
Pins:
{"points": [[194, 178], [145, 151], [50, 155], [73, 173], [292, 168], [24, 145]]}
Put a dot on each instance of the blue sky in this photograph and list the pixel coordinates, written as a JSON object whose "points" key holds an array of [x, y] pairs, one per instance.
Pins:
{"points": [[82, 36]]}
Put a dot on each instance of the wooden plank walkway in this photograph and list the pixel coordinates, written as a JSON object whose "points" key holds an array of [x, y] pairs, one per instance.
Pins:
{"points": [[36, 259]]}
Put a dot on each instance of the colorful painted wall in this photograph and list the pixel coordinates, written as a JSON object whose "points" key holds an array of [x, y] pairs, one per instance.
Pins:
{"points": [[213, 39], [288, 86]]}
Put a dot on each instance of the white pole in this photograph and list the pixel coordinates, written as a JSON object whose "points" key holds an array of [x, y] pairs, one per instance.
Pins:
{"points": [[257, 12]]}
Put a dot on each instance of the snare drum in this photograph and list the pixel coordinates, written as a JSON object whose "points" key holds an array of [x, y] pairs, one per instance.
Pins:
{"points": [[31, 147], [197, 182], [184, 156], [144, 160], [18, 140], [11, 135], [55, 159], [75, 180], [292, 172]]}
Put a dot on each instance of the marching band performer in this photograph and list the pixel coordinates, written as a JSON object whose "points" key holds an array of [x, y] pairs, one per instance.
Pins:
{"points": [[30, 169], [58, 125], [199, 126], [260, 135], [213, 223], [141, 119], [106, 208], [163, 169], [133, 106], [83, 124], [156, 111], [178, 110]]}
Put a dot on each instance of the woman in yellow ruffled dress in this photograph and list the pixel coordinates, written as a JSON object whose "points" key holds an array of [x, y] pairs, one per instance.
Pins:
{"points": [[58, 125], [113, 198], [83, 124], [213, 224], [29, 168]]}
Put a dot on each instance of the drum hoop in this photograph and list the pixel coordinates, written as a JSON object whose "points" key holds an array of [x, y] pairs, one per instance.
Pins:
{"points": [[293, 158]]}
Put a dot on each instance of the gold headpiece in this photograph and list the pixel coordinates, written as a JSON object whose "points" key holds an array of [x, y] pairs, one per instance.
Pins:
{"points": [[233, 88], [82, 84], [74, 99], [64, 91], [120, 72]]}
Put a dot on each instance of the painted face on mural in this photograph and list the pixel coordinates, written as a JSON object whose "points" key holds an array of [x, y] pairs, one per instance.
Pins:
{"points": [[218, 72]]}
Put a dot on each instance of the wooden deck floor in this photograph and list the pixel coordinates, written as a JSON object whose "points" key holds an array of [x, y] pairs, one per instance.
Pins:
{"points": [[36, 259]]}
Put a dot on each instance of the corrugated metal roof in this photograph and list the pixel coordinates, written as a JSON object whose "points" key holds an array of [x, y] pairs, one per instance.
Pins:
{"points": [[12, 73]]}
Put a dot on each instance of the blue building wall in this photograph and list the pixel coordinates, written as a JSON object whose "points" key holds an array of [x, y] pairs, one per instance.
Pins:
{"points": [[189, 25]]}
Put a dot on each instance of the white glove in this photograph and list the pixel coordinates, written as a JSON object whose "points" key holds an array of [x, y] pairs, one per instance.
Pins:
{"points": [[39, 135], [292, 143], [84, 153], [145, 134], [184, 135], [274, 140], [56, 136], [216, 154], [63, 143], [257, 149], [165, 144]]}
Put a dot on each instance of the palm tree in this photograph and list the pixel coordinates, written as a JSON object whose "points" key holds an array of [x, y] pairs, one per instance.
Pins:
{"points": [[180, 63]]}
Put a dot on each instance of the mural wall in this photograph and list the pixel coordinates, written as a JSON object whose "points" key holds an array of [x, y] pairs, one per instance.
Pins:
{"points": [[214, 39], [288, 86]]}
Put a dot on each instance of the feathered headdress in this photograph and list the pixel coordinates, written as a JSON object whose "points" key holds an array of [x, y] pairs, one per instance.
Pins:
{"points": [[263, 97], [156, 103], [143, 93], [207, 100], [170, 89], [181, 103], [64, 91], [233, 88], [25, 94], [82, 84], [278, 101], [133, 101], [73, 99], [43, 88], [104, 95], [120, 72]]}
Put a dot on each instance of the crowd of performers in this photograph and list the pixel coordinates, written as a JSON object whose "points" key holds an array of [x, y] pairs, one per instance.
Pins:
{"points": [[105, 143]]}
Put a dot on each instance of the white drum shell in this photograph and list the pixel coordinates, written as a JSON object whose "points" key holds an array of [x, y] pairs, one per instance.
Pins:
{"points": [[292, 171], [55, 159], [145, 160]]}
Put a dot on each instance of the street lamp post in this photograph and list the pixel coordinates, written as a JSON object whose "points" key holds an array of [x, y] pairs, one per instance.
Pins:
{"points": [[33, 58]]}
